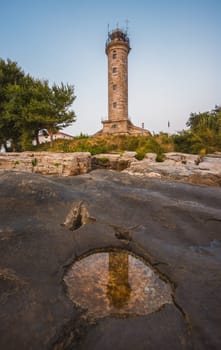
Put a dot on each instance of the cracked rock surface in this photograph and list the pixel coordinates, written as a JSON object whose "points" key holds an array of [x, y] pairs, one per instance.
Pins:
{"points": [[47, 222]]}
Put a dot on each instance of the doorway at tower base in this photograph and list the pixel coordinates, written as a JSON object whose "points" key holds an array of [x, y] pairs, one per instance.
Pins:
{"points": [[123, 126]]}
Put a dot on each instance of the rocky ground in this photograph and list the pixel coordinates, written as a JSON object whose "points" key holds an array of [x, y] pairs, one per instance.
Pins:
{"points": [[181, 167], [175, 166], [48, 222]]}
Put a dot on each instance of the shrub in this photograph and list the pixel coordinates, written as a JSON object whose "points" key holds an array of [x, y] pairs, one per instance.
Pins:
{"points": [[34, 162], [57, 164]]}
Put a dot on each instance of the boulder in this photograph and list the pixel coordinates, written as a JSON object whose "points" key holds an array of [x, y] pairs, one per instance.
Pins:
{"points": [[112, 161], [214, 155], [151, 157], [182, 158], [129, 154], [181, 167], [47, 163], [211, 163]]}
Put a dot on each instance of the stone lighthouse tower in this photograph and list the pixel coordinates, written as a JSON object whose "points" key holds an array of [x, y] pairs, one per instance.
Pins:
{"points": [[117, 50]]}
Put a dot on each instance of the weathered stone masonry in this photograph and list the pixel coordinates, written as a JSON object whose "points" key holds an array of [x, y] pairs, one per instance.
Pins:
{"points": [[117, 50]]}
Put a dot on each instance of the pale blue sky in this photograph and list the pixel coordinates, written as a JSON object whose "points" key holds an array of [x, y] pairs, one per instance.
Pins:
{"points": [[174, 64]]}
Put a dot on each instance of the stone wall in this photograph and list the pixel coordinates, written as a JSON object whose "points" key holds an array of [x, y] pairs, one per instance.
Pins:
{"points": [[47, 163], [114, 127]]}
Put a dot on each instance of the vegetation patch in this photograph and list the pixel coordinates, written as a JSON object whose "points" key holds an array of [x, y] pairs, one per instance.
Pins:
{"points": [[103, 160], [34, 162], [57, 164]]}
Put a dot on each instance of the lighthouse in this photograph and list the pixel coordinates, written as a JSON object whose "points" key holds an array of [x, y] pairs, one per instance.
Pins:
{"points": [[117, 49]]}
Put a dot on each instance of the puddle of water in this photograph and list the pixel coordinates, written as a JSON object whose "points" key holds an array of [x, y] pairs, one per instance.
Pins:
{"points": [[116, 283]]}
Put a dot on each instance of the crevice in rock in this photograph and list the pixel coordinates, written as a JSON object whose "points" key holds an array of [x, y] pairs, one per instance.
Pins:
{"points": [[159, 263], [10, 283], [167, 279], [123, 233], [71, 333], [212, 219], [184, 314], [77, 216]]}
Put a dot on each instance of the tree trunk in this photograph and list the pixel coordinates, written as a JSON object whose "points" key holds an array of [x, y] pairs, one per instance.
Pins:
{"points": [[5, 146], [37, 137], [51, 137]]}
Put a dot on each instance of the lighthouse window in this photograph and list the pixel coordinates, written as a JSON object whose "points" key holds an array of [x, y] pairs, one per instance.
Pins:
{"points": [[114, 56], [115, 105], [114, 87], [114, 69]]}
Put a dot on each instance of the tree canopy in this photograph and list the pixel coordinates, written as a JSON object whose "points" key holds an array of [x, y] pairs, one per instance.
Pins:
{"points": [[206, 121], [28, 105], [203, 135]]}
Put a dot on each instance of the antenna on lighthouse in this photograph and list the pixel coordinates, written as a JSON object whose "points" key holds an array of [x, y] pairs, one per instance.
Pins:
{"points": [[127, 25]]}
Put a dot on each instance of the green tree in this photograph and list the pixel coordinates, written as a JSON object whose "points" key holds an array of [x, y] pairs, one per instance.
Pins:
{"points": [[60, 115], [28, 105], [204, 134], [199, 122], [11, 76]]}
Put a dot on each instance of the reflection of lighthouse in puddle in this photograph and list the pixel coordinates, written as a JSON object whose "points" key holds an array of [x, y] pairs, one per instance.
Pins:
{"points": [[118, 287], [116, 283]]}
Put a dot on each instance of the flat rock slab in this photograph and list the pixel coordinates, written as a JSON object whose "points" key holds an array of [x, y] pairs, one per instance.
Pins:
{"points": [[48, 222], [46, 163]]}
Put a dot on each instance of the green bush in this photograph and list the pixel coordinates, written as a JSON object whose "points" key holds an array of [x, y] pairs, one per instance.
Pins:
{"points": [[81, 137], [140, 153], [34, 162], [197, 142], [103, 161], [57, 164]]}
